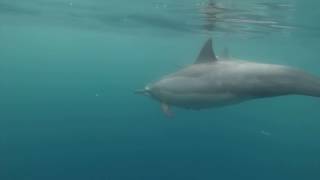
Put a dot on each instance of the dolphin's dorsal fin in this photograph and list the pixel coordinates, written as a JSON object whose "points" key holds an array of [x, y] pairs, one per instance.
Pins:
{"points": [[206, 54]]}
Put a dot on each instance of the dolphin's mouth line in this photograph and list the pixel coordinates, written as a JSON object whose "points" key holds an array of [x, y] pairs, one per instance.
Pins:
{"points": [[140, 91], [145, 92]]}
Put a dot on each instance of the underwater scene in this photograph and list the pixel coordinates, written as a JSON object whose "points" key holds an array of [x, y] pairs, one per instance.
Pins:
{"points": [[159, 90]]}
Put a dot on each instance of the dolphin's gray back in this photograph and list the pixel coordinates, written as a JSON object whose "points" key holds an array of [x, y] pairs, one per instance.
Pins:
{"points": [[242, 77]]}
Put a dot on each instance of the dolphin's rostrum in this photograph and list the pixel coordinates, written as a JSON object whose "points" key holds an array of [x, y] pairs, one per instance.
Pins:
{"points": [[213, 82]]}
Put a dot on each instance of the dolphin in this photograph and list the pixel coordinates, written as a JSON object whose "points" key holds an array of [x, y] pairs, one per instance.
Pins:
{"points": [[213, 81]]}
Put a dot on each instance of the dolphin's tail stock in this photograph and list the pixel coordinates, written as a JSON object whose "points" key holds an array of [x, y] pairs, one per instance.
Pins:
{"points": [[310, 87], [316, 91]]}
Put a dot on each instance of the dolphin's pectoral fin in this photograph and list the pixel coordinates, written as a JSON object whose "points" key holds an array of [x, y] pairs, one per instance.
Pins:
{"points": [[206, 54], [166, 109]]}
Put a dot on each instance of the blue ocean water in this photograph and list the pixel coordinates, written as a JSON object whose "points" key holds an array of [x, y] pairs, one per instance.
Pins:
{"points": [[68, 69]]}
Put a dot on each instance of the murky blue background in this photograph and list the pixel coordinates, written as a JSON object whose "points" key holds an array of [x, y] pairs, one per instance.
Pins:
{"points": [[68, 69]]}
